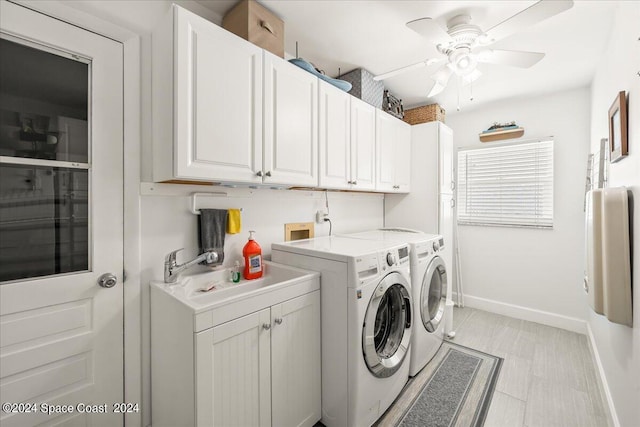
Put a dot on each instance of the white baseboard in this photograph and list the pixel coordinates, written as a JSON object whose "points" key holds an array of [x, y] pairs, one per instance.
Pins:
{"points": [[519, 312], [603, 378]]}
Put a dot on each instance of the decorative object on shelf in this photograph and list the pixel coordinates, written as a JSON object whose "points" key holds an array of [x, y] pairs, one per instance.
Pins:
{"points": [[618, 142], [392, 105], [257, 24], [424, 114], [364, 87], [500, 131], [307, 66]]}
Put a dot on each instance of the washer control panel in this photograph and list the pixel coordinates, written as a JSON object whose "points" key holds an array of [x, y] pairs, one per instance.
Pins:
{"points": [[395, 257]]}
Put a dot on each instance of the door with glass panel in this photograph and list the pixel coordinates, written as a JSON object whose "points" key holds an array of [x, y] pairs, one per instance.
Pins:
{"points": [[61, 215]]}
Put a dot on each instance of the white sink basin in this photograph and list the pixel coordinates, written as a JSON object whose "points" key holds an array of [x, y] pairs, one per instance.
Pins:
{"points": [[205, 291]]}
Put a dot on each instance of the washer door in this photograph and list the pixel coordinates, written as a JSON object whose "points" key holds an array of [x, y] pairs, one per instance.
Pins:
{"points": [[433, 294], [386, 331]]}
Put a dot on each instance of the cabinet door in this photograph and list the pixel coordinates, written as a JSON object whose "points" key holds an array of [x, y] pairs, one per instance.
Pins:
{"points": [[295, 346], [363, 145], [402, 161], [446, 226], [233, 373], [218, 102], [334, 133], [385, 132], [291, 124], [445, 154]]}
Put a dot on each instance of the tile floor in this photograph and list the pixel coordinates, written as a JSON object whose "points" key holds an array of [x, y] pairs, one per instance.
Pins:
{"points": [[548, 378]]}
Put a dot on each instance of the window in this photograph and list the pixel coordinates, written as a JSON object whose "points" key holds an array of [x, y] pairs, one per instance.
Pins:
{"points": [[506, 185]]}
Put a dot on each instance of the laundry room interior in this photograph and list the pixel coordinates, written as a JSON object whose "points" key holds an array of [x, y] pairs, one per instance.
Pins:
{"points": [[312, 213]]}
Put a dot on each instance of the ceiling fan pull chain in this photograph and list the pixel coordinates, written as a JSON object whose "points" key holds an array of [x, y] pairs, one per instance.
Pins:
{"points": [[471, 92]]}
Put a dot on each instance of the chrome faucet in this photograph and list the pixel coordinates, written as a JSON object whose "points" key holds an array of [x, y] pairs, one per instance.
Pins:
{"points": [[172, 268]]}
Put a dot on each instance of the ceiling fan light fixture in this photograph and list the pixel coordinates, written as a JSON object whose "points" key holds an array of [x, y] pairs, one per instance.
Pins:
{"points": [[462, 61]]}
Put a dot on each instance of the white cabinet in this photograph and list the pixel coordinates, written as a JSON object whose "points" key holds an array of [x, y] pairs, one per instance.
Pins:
{"points": [[233, 373], [393, 152], [290, 123], [262, 369], [363, 145], [214, 94], [233, 358], [207, 102], [445, 156], [295, 362], [347, 140]]}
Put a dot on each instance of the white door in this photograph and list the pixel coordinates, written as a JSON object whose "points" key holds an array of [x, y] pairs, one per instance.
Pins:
{"points": [[295, 346], [233, 365], [363, 145], [334, 130], [290, 124], [218, 102], [61, 214]]}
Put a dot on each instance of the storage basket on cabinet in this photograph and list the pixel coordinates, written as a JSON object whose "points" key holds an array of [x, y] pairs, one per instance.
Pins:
{"points": [[424, 114]]}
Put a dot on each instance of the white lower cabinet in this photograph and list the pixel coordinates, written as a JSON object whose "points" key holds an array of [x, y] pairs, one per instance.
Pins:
{"points": [[259, 369], [262, 369]]}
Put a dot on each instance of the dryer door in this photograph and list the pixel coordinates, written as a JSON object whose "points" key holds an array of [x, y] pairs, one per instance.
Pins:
{"points": [[386, 331], [433, 294]]}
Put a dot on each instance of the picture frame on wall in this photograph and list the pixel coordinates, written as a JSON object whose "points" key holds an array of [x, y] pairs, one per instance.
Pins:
{"points": [[618, 142]]}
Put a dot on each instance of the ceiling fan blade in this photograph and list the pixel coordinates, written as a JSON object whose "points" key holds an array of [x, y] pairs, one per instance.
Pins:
{"points": [[514, 58], [430, 30], [402, 70], [440, 78], [532, 15]]}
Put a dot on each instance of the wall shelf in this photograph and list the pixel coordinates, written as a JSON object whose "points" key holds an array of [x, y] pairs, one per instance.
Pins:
{"points": [[501, 134]]}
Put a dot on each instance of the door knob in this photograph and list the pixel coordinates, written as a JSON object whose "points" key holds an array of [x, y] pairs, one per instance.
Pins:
{"points": [[107, 280], [259, 173], [266, 326], [278, 320]]}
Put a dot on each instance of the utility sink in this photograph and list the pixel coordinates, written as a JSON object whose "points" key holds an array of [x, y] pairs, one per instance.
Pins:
{"points": [[204, 292]]}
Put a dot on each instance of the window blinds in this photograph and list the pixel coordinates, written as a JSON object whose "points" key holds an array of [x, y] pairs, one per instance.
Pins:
{"points": [[506, 185]]}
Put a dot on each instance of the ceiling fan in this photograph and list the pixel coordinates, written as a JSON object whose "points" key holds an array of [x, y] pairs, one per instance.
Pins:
{"points": [[463, 45]]}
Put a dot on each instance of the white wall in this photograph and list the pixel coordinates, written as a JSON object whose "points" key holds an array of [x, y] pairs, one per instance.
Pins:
{"points": [[539, 270], [618, 346]]}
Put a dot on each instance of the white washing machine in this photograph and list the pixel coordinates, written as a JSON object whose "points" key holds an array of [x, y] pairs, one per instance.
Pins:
{"points": [[366, 323], [429, 286]]}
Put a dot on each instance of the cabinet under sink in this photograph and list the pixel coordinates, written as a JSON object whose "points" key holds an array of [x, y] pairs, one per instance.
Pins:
{"points": [[238, 354]]}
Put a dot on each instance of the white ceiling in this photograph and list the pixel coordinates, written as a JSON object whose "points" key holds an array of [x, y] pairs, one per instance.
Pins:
{"points": [[373, 35]]}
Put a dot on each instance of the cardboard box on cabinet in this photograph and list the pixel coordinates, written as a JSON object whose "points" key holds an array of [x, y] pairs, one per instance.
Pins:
{"points": [[257, 24]]}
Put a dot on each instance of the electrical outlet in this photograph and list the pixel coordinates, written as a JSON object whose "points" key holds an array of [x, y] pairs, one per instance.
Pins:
{"points": [[321, 215]]}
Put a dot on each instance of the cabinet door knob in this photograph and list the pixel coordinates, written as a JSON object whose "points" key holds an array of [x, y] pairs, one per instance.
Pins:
{"points": [[259, 173], [268, 173], [355, 182], [266, 326], [278, 320]]}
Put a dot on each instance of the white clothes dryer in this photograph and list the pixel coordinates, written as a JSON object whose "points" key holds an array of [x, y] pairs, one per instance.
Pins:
{"points": [[366, 323], [429, 286]]}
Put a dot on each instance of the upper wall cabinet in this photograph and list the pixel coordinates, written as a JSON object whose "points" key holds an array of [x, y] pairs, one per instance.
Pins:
{"points": [[209, 88], [347, 140], [207, 102], [393, 153], [290, 123]]}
